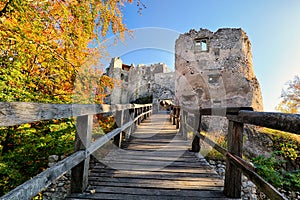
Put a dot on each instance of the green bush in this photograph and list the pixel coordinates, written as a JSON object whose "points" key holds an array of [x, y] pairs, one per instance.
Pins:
{"points": [[25, 149], [270, 169]]}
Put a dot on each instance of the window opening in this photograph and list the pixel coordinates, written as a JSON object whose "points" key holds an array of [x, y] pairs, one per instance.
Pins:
{"points": [[201, 44]]}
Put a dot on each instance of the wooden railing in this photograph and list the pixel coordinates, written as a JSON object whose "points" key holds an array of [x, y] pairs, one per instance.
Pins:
{"points": [[235, 165], [175, 116], [127, 116]]}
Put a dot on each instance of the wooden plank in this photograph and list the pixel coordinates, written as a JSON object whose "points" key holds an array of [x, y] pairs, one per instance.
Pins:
{"points": [[280, 121], [100, 167], [163, 184], [156, 176], [31, 188], [151, 167], [196, 181], [142, 196], [153, 174], [154, 163], [233, 175], [161, 192], [155, 154], [189, 159]]}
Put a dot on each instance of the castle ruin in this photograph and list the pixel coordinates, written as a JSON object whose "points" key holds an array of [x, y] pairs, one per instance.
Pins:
{"points": [[212, 69], [142, 84], [216, 70]]}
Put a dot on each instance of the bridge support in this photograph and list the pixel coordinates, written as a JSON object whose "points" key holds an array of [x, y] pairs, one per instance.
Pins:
{"points": [[233, 175], [196, 141], [79, 174], [131, 116], [119, 121]]}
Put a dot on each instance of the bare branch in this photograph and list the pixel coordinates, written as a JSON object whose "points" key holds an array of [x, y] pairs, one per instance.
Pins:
{"points": [[4, 10]]}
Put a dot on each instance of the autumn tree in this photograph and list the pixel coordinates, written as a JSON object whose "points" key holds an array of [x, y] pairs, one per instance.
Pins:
{"points": [[290, 97], [44, 44], [48, 48]]}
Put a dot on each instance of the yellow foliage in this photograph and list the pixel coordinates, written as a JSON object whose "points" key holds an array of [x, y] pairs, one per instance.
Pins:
{"points": [[48, 41]]}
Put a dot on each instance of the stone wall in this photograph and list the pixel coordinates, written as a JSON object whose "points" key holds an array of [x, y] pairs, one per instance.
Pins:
{"points": [[141, 81], [216, 70]]}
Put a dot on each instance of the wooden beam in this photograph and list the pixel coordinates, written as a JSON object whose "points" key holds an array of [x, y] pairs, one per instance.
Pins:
{"points": [[223, 111], [15, 113], [280, 121], [32, 187]]}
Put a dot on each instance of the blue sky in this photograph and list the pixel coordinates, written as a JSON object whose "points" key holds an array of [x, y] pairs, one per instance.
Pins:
{"points": [[273, 28]]}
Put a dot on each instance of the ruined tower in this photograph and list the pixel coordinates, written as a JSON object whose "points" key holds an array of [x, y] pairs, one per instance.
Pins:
{"points": [[136, 84], [214, 69]]}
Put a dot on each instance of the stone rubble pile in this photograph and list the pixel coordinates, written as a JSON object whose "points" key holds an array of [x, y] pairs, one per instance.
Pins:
{"points": [[249, 190], [60, 188]]}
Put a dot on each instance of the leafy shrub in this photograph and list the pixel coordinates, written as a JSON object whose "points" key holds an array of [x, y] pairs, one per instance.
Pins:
{"points": [[25, 149], [270, 169]]}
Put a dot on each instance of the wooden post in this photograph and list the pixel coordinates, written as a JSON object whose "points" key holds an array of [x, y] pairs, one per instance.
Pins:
{"points": [[131, 128], [126, 118], [197, 125], [177, 117], [136, 122], [148, 109], [79, 174], [182, 127], [174, 116], [171, 113], [144, 109], [140, 112], [233, 176], [119, 121]]}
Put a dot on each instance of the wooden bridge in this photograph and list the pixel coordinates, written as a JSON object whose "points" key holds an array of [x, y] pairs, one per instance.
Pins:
{"points": [[153, 162]]}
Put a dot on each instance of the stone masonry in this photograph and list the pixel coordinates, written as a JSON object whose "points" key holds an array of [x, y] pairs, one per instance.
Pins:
{"points": [[155, 83], [214, 69]]}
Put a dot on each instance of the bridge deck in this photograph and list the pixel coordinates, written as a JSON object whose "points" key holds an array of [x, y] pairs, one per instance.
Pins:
{"points": [[155, 164]]}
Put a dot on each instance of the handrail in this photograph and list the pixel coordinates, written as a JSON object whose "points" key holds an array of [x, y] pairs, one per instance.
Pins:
{"points": [[280, 121], [234, 163], [16, 113]]}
